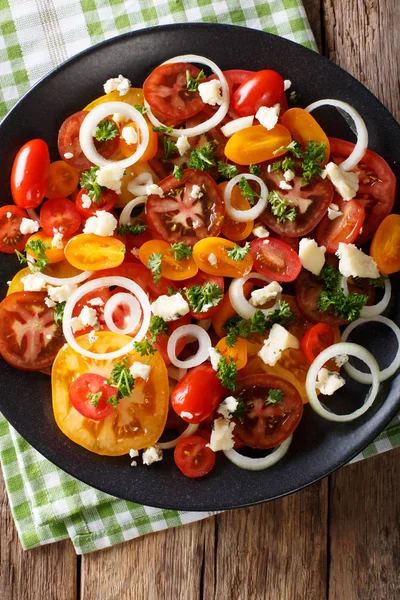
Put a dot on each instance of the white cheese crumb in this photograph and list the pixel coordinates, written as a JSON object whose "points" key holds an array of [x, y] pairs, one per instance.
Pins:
{"points": [[8, 215], [311, 255], [334, 212], [61, 293], [279, 340], [48, 336], [68, 155], [120, 118], [120, 83], [215, 357], [152, 455], [284, 185], [135, 252], [170, 308], [196, 191], [92, 336], [210, 92], [355, 263], [345, 183], [182, 144], [341, 359], [221, 435], [110, 177], [48, 302], [329, 381], [212, 259], [186, 415], [287, 84], [268, 116], [138, 369], [86, 201], [133, 453], [103, 223], [260, 232], [228, 407], [289, 175], [57, 241], [33, 283], [269, 168], [265, 294], [95, 302], [153, 188], [301, 203], [28, 226], [129, 135]]}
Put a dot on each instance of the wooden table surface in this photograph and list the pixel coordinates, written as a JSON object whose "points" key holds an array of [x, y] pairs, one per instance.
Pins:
{"points": [[337, 540]]}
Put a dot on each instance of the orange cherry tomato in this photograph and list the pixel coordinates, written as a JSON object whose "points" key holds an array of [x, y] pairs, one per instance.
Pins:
{"points": [[385, 247], [91, 252], [238, 352], [304, 128], [63, 180], [129, 149], [133, 97], [256, 144], [224, 265], [232, 229], [226, 311], [171, 268], [53, 254]]}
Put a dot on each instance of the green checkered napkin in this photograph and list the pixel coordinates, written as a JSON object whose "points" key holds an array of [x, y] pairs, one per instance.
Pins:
{"points": [[47, 504]]}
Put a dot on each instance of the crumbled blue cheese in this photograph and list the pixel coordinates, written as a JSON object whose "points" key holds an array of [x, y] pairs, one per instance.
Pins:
{"points": [[153, 188], [222, 435], [210, 92], [228, 407], [355, 263], [289, 175], [86, 201], [110, 177], [138, 369], [61, 293], [334, 212], [129, 135], [268, 116], [170, 308], [120, 84], [57, 241], [152, 455], [133, 454], [215, 357], [265, 294], [28, 226], [284, 185], [329, 381], [33, 283], [212, 259], [341, 359], [345, 182], [92, 336], [87, 317], [182, 145], [279, 340], [95, 302], [260, 232], [103, 223], [196, 192], [311, 255]]}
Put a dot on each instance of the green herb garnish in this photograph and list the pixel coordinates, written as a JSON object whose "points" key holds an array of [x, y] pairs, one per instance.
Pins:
{"points": [[332, 296], [178, 172], [238, 252], [106, 130], [254, 170], [203, 297], [275, 396], [154, 263], [281, 208], [227, 372], [90, 185], [202, 158], [192, 83], [181, 250], [121, 379], [94, 398], [136, 228], [58, 313], [226, 170], [247, 191]]}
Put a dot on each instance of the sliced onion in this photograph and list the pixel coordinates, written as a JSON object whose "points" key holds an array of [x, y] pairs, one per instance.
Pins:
{"points": [[33, 214], [338, 350], [242, 216], [125, 216], [131, 321], [394, 365], [258, 464], [138, 186], [75, 280], [190, 430], [217, 116], [202, 353], [367, 312], [237, 125], [239, 301], [99, 283], [90, 123], [361, 130]]}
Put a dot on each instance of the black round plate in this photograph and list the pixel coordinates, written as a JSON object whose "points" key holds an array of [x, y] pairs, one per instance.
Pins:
{"points": [[318, 446]]}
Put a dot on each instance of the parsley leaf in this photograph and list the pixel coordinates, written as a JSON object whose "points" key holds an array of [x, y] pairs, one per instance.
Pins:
{"points": [[247, 191], [259, 323], [163, 129], [280, 207], [144, 348], [294, 98], [169, 146], [202, 158], [157, 327], [154, 263], [136, 228], [178, 172], [227, 372], [203, 297], [275, 396], [58, 313], [237, 252], [226, 170], [181, 250], [236, 328], [122, 379], [240, 409], [94, 398], [90, 185], [254, 170], [282, 315], [294, 147], [332, 296], [192, 83], [106, 130], [141, 109], [379, 282], [313, 158], [37, 248]]}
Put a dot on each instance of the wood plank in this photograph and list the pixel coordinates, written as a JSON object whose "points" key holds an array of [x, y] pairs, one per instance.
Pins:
{"points": [[314, 14], [48, 572], [167, 565], [364, 530]]}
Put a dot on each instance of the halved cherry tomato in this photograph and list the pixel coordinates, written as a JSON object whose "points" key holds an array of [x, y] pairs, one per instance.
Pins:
{"points": [[232, 229], [88, 251], [316, 339], [30, 174], [304, 128], [200, 280], [129, 149], [53, 254], [238, 352], [226, 311], [137, 422], [256, 144], [171, 268], [264, 425], [193, 457], [181, 217], [263, 88], [188, 395], [60, 214], [377, 190], [11, 238], [106, 202], [63, 179], [29, 338], [345, 228], [275, 259], [385, 247], [225, 265], [165, 89], [82, 395]]}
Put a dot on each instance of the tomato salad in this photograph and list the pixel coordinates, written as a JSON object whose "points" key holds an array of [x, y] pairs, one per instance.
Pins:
{"points": [[192, 265]]}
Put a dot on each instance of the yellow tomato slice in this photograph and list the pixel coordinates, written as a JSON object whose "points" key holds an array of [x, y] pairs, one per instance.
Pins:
{"points": [[232, 229], [137, 422], [256, 144], [238, 352], [91, 252], [385, 247], [53, 254], [61, 269], [16, 284], [304, 128], [171, 268], [224, 265], [134, 96]]}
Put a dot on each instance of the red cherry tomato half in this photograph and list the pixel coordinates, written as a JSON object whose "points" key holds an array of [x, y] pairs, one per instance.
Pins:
{"points": [[316, 339], [60, 214], [275, 259], [345, 228], [188, 395], [199, 280], [11, 238], [106, 202], [30, 174], [263, 88], [193, 457], [89, 395]]}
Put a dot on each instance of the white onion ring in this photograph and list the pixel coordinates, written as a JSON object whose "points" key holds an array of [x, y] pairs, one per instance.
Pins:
{"points": [[75, 280], [125, 216], [394, 365], [131, 321], [239, 301], [322, 358], [102, 282], [33, 214], [361, 130], [202, 353], [237, 125], [258, 464], [242, 216], [138, 185], [190, 430], [90, 123], [367, 312], [217, 116]]}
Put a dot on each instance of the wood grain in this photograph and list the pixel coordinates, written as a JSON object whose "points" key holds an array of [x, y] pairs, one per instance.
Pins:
{"points": [[48, 572], [314, 14]]}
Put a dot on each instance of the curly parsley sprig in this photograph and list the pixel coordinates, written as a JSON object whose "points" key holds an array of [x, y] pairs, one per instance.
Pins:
{"points": [[106, 130], [203, 297], [259, 323], [37, 248], [121, 379], [333, 298], [89, 184], [281, 207], [238, 252], [203, 158]]}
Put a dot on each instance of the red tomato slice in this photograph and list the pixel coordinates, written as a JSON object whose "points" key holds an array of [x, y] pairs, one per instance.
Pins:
{"points": [[263, 88], [201, 279], [345, 228], [275, 259], [263, 425], [82, 395], [377, 191], [188, 395], [60, 214], [11, 238], [103, 294], [316, 339], [193, 457], [106, 202], [29, 338], [180, 217], [30, 174], [165, 89]]}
